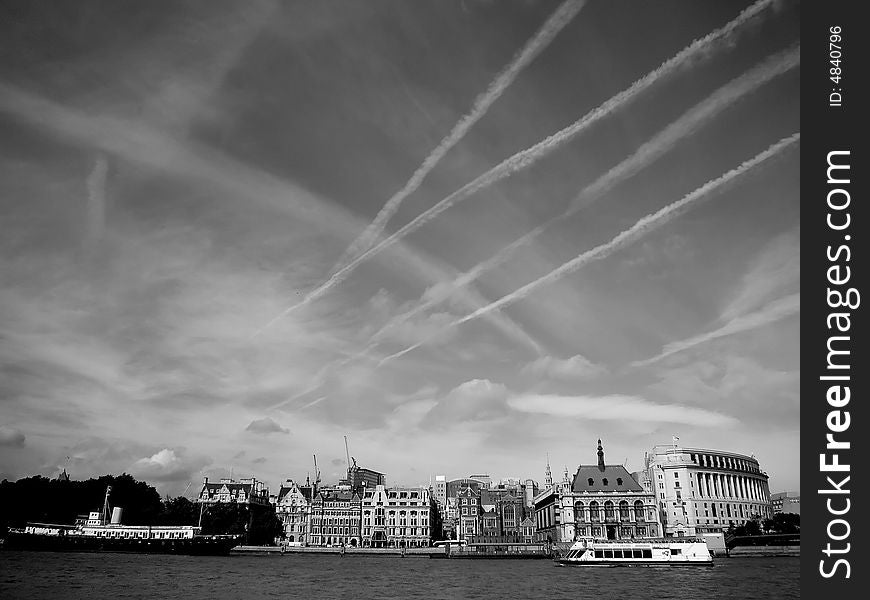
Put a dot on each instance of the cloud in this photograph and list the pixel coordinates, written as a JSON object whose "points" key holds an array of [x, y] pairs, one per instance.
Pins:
{"points": [[734, 384], [575, 368], [770, 313], [639, 230], [619, 408], [259, 461], [11, 437], [168, 466], [557, 21], [265, 425], [475, 400], [775, 270], [337, 462]]}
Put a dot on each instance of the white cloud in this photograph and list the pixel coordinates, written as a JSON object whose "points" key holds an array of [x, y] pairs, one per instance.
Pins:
{"points": [[575, 368], [168, 466], [616, 408], [265, 425]]}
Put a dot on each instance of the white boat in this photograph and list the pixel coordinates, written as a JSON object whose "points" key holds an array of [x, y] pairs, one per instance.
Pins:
{"points": [[679, 551]]}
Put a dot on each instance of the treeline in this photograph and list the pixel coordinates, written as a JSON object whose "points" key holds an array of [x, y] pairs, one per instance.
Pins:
{"points": [[779, 523], [42, 500]]}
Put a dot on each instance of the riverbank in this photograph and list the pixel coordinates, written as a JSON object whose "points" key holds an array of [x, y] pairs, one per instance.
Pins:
{"points": [[290, 550], [764, 551]]}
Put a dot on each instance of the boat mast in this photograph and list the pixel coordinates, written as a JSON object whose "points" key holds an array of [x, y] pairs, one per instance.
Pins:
{"points": [[106, 505]]}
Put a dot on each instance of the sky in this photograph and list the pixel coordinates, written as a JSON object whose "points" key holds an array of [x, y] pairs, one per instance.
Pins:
{"points": [[468, 235]]}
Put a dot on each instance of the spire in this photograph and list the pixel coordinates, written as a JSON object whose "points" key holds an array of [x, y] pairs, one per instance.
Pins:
{"points": [[548, 477], [600, 456]]}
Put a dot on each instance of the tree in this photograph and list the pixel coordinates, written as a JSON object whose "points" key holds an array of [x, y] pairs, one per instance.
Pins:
{"points": [[178, 511]]}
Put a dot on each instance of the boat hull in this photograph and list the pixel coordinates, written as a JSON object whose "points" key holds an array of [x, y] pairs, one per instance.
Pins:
{"points": [[640, 563], [197, 546]]}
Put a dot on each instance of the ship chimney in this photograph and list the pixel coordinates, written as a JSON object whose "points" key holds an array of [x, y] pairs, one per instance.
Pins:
{"points": [[600, 456]]}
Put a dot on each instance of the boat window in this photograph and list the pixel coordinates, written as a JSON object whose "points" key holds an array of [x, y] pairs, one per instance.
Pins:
{"points": [[617, 554], [599, 554], [647, 553], [676, 550], [608, 554], [637, 553]]}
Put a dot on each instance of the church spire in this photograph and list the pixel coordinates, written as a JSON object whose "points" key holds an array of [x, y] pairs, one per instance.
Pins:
{"points": [[548, 477], [600, 456]]}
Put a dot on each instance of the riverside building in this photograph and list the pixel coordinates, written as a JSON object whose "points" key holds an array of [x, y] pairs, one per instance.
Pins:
{"points": [[397, 517], [601, 501], [293, 509], [705, 491]]}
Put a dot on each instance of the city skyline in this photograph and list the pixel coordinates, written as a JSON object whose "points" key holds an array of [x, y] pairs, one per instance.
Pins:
{"points": [[232, 235]]}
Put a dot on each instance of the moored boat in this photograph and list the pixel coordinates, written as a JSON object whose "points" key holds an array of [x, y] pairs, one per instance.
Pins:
{"points": [[681, 551], [98, 533]]}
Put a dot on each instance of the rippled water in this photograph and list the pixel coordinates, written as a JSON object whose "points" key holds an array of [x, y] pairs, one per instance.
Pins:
{"points": [[324, 577]]}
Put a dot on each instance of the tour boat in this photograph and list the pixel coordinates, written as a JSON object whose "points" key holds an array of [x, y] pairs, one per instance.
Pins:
{"points": [[98, 533], [675, 551]]}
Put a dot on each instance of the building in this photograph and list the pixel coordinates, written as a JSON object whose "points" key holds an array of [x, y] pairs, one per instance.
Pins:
{"points": [[397, 517], [785, 502], [293, 509], [334, 518], [505, 503], [601, 500], [359, 478], [439, 491], [527, 528], [246, 491], [456, 486], [469, 510], [484, 479], [705, 491]]}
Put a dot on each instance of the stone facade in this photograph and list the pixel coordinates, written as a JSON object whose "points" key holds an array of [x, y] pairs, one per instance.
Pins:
{"points": [[705, 491], [397, 517]]}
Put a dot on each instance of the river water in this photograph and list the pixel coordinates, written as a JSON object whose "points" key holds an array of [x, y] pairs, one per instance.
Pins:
{"points": [[327, 577]]}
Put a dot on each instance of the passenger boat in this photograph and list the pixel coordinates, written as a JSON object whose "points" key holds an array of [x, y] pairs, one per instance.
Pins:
{"points": [[99, 534], [680, 551]]}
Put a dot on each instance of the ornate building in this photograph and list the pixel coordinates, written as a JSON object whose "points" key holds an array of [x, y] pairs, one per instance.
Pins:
{"points": [[335, 517], [397, 517], [602, 501], [705, 491], [293, 508], [245, 491]]}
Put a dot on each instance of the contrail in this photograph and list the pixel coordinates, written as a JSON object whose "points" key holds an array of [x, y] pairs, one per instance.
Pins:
{"points": [[96, 204], [557, 21], [770, 313], [696, 52], [646, 154], [640, 229]]}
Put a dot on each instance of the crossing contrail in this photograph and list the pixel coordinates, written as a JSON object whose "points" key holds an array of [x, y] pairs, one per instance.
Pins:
{"points": [[646, 154], [640, 229], [548, 31], [691, 55], [770, 313]]}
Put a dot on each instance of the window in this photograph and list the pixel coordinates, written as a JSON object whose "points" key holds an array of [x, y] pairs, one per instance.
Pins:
{"points": [[619, 481], [604, 481], [591, 481]]}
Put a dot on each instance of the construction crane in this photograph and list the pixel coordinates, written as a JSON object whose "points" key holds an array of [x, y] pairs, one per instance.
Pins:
{"points": [[347, 452], [316, 473]]}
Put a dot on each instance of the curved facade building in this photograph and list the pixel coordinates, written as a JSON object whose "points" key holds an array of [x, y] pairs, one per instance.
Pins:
{"points": [[705, 491]]}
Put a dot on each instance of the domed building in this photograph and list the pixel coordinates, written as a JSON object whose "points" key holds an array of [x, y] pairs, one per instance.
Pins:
{"points": [[704, 491]]}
